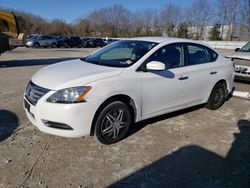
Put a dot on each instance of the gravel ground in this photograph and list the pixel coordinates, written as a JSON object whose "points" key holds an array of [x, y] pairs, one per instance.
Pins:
{"points": [[195, 147]]}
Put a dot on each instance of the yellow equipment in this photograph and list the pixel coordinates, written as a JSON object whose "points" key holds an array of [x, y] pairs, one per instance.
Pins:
{"points": [[10, 37]]}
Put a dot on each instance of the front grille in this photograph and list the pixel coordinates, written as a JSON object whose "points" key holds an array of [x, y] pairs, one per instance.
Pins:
{"points": [[34, 92]]}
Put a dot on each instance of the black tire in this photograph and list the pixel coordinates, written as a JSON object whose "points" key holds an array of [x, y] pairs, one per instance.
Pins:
{"points": [[217, 97], [66, 45], [53, 45], [113, 123], [36, 45]]}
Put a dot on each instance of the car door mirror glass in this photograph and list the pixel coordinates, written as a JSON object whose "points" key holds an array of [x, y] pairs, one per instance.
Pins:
{"points": [[156, 65]]}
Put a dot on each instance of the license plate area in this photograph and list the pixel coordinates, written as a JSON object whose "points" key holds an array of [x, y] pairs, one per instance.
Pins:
{"points": [[241, 69]]}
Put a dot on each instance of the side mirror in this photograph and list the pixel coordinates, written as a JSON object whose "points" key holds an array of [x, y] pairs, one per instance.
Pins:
{"points": [[237, 49], [156, 65]]}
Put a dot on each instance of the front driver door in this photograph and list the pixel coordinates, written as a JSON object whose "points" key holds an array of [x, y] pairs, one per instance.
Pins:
{"points": [[164, 91]]}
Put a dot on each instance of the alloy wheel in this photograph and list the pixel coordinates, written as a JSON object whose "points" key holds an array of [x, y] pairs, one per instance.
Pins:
{"points": [[115, 124]]}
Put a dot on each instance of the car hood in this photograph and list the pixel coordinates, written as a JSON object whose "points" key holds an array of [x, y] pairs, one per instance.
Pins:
{"points": [[241, 55], [71, 74]]}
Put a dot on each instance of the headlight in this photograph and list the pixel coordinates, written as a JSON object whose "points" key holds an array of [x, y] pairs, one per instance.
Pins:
{"points": [[70, 95]]}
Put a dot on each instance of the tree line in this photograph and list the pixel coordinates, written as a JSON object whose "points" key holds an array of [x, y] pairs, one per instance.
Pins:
{"points": [[171, 20]]}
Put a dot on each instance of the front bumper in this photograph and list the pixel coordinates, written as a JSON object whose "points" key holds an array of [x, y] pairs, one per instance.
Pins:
{"points": [[242, 72], [242, 76], [29, 44], [78, 116]]}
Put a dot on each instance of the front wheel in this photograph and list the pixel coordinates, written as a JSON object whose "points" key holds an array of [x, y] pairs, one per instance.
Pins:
{"points": [[113, 123], [53, 45], [66, 45], [36, 45], [217, 97]]}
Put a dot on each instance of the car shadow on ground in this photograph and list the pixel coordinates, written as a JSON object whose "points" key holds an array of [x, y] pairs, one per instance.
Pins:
{"points": [[193, 167], [33, 62], [8, 123]]}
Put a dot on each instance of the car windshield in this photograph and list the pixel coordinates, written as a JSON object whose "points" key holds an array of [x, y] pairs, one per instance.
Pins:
{"points": [[245, 48], [121, 54]]}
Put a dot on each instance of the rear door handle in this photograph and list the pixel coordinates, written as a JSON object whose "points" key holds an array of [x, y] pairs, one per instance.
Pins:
{"points": [[182, 77], [213, 72]]}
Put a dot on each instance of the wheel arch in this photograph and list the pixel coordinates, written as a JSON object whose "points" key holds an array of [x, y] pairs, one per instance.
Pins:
{"points": [[36, 43], [224, 83], [120, 97]]}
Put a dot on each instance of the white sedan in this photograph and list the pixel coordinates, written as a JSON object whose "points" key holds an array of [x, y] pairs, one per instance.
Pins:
{"points": [[126, 82]]}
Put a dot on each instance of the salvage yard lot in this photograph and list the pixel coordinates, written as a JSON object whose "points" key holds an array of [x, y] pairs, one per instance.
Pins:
{"points": [[195, 147]]}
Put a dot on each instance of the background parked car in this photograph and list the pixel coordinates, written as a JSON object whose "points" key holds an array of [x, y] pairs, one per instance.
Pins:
{"points": [[94, 42], [41, 41], [30, 38], [242, 53], [69, 42], [84, 39], [109, 41], [242, 62]]}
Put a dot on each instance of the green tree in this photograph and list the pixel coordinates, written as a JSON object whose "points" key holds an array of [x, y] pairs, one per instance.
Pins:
{"points": [[170, 30], [182, 31], [215, 32]]}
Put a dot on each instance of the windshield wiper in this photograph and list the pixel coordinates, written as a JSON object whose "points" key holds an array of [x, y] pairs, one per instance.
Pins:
{"points": [[93, 62], [104, 64]]}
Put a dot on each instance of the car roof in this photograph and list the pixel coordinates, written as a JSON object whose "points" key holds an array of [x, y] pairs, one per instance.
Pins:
{"points": [[169, 40], [160, 39]]}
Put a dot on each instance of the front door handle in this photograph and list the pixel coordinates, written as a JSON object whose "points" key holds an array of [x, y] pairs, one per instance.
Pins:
{"points": [[213, 72], [182, 77]]}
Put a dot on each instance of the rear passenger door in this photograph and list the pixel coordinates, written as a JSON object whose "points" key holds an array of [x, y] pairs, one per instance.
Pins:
{"points": [[45, 41], [42, 41], [201, 62]]}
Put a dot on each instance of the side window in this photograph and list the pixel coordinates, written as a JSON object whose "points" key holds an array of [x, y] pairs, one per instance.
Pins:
{"points": [[213, 55], [198, 54], [171, 55]]}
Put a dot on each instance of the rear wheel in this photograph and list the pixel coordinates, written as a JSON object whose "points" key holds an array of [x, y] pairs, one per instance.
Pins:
{"points": [[53, 45], [113, 123], [217, 97], [36, 45], [66, 45]]}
